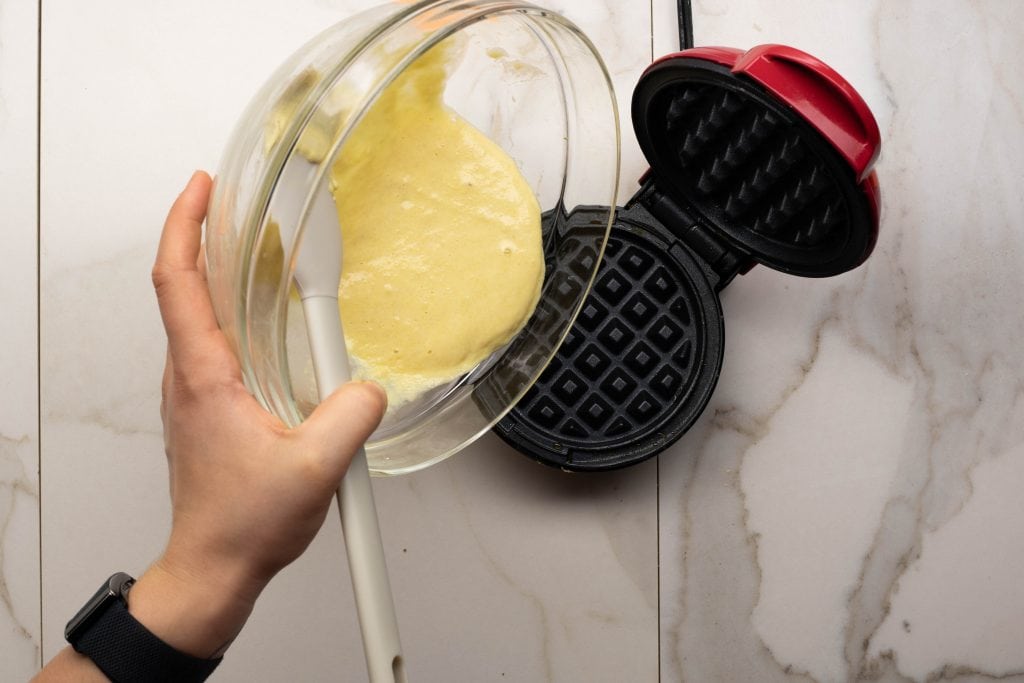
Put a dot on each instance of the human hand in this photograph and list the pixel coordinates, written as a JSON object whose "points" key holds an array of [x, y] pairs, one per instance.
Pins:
{"points": [[248, 495]]}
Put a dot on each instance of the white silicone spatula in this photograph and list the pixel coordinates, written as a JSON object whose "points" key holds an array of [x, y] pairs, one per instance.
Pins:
{"points": [[317, 276]]}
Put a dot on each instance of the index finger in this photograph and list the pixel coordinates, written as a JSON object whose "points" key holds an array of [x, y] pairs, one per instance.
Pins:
{"points": [[180, 286]]}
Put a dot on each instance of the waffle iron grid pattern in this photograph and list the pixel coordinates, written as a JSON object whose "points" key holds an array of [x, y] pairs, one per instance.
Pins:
{"points": [[630, 357], [752, 168]]}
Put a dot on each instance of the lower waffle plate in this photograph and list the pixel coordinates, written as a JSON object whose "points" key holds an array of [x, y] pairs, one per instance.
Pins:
{"points": [[638, 365]]}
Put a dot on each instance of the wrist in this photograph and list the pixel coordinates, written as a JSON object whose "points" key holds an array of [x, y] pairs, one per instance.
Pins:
{"points": [[194, 611]]}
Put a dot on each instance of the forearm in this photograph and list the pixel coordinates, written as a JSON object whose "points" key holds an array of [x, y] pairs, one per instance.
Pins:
{"points": [[71, 667], [199, 616]]}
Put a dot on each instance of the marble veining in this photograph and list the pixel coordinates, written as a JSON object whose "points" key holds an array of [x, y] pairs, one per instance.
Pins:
{"points": [[118, 359], [15, 487], [866, 444], [19, 578]]}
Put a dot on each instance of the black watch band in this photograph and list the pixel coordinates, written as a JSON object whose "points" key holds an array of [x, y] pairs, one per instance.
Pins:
{"points": [[125, 650]]}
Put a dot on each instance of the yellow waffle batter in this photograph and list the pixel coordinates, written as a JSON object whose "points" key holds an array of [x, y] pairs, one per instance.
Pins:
{"points": [[442, 258]]}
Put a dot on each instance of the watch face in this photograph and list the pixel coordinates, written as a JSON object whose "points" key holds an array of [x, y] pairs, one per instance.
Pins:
{"points": [[113, 588]]}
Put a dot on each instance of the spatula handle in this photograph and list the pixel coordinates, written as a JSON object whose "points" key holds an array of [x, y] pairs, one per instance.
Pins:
{"points": [[374, 603]]}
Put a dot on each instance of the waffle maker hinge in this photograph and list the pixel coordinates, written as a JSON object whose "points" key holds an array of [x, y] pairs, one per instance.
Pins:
{"points": [[720, 260]]}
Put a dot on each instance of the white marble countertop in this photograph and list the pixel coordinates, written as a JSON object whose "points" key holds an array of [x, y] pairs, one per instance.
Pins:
{"points": [[847, 508]]}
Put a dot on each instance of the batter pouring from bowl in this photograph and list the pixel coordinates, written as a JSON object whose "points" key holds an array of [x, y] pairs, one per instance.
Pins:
{"points": [[442, 258]]}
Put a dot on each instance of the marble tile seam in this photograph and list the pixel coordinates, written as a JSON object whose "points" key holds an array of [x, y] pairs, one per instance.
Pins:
{"points": [[657, 464], [39, 317]]}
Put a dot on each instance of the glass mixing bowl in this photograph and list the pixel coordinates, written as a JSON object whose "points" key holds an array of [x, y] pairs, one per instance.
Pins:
{"points": [[527, 78]]}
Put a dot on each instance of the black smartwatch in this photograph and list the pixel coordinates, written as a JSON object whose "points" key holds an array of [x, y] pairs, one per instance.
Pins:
{"points": [[125, 650]]}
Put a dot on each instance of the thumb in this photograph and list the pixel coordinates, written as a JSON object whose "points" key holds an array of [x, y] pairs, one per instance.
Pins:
{"points": [[343, 422]]}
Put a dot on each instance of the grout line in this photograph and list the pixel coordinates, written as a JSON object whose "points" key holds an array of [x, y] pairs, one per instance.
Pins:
{"points": [[657, 528], [657, 478], [39, 305]]}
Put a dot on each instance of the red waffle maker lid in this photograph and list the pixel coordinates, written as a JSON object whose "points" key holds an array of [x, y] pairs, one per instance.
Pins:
{"points": [[771, 148]]}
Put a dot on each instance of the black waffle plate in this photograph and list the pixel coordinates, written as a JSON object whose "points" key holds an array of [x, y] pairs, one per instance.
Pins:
{"points": [[639, 364]]}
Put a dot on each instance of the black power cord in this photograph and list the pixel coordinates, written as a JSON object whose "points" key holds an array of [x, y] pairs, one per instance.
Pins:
{"points": [[685, 25]]}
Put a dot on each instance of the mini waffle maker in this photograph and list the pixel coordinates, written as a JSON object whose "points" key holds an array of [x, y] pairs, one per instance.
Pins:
{"points": [[757, 157]]}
